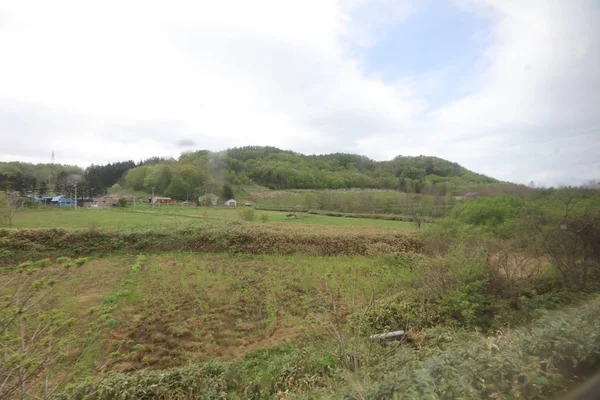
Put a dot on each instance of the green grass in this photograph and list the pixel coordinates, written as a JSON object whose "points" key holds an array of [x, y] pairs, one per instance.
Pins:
{"points": [[143, 216], [101, 218], [175, 308]]}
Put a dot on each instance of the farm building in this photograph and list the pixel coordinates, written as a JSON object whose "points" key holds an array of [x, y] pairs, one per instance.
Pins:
{"points": [[63, 201], [162, 200], [231, 203]]}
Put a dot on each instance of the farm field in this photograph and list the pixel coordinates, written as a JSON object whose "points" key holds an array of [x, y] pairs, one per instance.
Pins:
{"points": [[143, 217], [253, 320], [177, 302], [190, 307]]}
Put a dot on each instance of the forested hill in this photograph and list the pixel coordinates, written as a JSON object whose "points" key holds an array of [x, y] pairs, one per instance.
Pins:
{"points": [[203, 171]]}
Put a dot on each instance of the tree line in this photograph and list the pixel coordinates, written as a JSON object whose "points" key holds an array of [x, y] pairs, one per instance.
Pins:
{"points": [[200, 172]]}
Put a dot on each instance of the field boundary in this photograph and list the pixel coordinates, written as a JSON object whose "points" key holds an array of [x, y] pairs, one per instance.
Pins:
{"points": [[235, 237], [386, 217]]}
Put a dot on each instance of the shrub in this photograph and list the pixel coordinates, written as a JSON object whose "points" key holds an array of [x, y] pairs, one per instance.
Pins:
{"points": [[498, 215], [248, 214], [529, 363]]}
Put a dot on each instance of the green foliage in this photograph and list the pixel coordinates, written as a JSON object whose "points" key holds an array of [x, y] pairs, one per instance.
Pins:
{"points": [[227, 192], [498, 215], [451, 363], [138, 263], [469, 304], [34, 332], [248, 214], [530, 362], [260, 374]]}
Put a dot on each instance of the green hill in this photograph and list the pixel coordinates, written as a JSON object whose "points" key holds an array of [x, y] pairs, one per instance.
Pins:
{"points": [[203, 171]]}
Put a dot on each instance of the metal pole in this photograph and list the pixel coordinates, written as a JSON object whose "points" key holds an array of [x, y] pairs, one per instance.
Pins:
{"points": [[76, 195]]}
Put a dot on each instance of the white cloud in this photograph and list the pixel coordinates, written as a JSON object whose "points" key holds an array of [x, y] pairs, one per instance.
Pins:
{"points": [[99, 82]]}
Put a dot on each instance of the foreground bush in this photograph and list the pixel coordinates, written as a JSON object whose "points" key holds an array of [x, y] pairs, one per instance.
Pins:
{"points": [[527, 363], [534, 362], [260, 374]]}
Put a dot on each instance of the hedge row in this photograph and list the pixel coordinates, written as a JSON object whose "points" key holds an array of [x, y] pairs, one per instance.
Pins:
{"points": [[232, 236]]}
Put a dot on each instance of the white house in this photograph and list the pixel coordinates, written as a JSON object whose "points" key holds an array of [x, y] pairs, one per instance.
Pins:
{"points": [[231, 203]]}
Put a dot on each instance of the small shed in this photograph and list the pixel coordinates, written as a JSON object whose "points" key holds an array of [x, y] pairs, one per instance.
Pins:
{"points": [[231, 203]]}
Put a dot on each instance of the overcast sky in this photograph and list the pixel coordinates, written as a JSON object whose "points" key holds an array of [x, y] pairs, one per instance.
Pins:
{"points": [[509, 88]]}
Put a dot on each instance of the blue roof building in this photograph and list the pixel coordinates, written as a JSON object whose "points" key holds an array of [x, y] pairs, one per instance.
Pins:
{"points": [[63, 201]]}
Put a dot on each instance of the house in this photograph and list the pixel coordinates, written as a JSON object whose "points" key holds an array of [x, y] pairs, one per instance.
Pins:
{"points": [[67, 202], [208, 199], [107, 201], [63, 201], [231, 203], [161, 200]]}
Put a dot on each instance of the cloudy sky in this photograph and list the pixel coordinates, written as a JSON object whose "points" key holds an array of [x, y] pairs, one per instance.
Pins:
{"points": [[509, 88]]}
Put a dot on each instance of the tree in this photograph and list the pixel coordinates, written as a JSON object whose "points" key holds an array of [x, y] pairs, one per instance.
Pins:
{"points": [[10, 204], [178, 189], [43, 188], [32, 332], [227, 192], [135, 178], [570, 238]]}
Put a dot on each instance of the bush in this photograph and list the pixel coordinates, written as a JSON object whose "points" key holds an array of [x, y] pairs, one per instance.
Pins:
{"points": [[248, 214], [529, 363], [260, 374], [498, 215]]}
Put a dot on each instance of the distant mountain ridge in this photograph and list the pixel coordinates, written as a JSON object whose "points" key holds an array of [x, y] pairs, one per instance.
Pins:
{"points": [[203, 171]]}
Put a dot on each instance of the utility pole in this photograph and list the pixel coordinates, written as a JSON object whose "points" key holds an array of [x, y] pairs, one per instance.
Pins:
{"points": [[76, 195], [152, 198]]}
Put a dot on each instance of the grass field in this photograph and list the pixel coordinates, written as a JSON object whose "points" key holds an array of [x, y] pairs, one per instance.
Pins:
{"points": [[143, 216]]}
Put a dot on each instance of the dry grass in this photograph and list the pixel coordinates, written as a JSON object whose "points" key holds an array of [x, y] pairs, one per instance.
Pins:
{"points": [[180, 308], [236, 237]]}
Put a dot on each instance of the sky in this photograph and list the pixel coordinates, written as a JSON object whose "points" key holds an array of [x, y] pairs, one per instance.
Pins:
{"points": [[507, 88]]}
